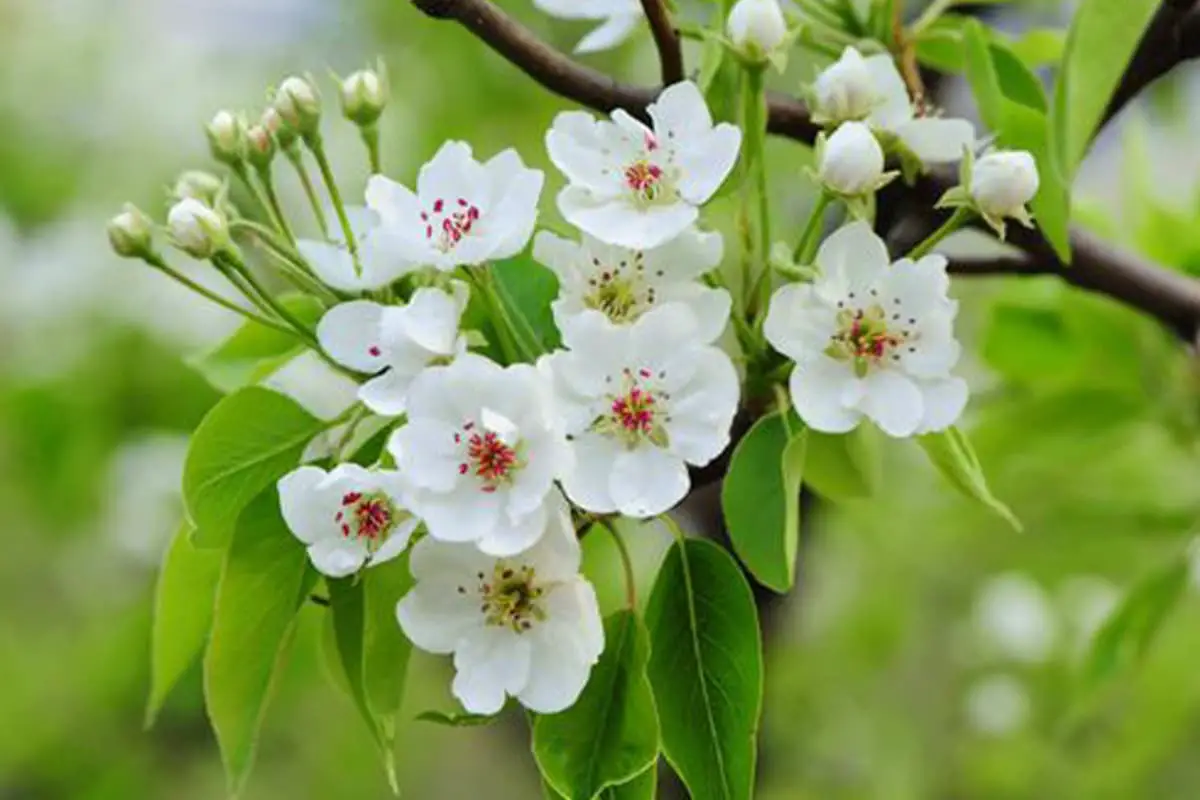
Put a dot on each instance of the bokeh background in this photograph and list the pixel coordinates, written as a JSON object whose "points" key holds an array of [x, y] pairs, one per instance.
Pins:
{"points": [[929, 652]]}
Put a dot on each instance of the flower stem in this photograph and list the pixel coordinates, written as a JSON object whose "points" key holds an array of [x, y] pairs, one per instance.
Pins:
{"points": [[370, 137], [929, 16], [626, 563], [268, 185], [260, 197], [671, 525], [317, 148], [515, 346], [296, 157], [234, 264], [956, 220], [293, 266], [806, 248], [755, 125], [207, 294]]}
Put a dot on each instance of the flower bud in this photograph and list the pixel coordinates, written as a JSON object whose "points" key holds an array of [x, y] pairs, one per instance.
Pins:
{"points": [[851, 161], [131, 233], [845, 90], [196, 229], [197, 184], [285, 135], [756, 27], [260, 146], [227, 138], [364, 95], [299, 105], [1003, 182]]}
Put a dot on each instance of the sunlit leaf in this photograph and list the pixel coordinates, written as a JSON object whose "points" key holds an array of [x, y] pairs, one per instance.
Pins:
{"points": [[951, 452]]}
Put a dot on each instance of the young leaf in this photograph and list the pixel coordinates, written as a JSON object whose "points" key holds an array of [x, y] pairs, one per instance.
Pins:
{"points": [[386, 651], [760, 498], [1130, 630], [610, 735], [643, 787], [951, 452], [843, 466], [247, 441], [706, 670], [183, 607], [453, 720], [264, 581], [1102, 40], [254, 351], [527, 289]]}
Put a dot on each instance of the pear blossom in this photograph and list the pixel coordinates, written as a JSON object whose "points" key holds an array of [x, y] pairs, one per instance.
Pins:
{"points": [[640, 403], [481, 448], [870, 339], [636, 186], [379, 262], [621, 285], [620, 19], [851, 161], [197, 229], [349, 518], [756, 26], [1002, 182], [463, 212], [395, 343], [871, 90], [526, 625]]}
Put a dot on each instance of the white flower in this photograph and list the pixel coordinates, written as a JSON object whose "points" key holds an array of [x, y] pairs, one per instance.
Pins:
{"points": [[350, 518], [621, 285], [394, 343], [871, 90], [640, 402], [197, 229], [463, 212], [621, 18], [379, 261], [1002, 183], [481, 449], [870, 339], [851, 160], [757, 26], [637, 187], [526, 625]]}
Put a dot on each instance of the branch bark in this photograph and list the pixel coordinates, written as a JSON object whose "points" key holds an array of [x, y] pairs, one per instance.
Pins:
{"points": [[666, 39], [1173, 36]]}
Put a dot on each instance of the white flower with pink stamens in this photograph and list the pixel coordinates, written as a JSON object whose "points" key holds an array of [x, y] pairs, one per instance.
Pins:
{"points": [[635, 186], [526, 625], [463, 212], [395, 343], [349, 518], [640, 403], [378, 264], [481, 449]]}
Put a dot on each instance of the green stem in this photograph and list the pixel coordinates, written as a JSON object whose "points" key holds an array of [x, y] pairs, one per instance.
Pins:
{"points": [[671, 525], [626, 563], [756, 127], [296, 157], [515, 348], [294, 267], [264, 177], [370, 137], [317, 148], [260, 197], [212, 296], [806, 248], [956, 220], [929, 16], [235, 265]]}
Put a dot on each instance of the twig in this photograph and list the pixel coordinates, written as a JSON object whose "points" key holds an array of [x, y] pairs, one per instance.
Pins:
{"points": [[666, 39]]}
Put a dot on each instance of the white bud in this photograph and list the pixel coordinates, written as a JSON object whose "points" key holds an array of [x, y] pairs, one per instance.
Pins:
{"points": [[260, 145], [757, 26], [196, 229], [203, 186], [284, 134], [851, 160], [131, 232], [1002, 183], [364, 95], [227, 137], [299, 104], [845, 90]]}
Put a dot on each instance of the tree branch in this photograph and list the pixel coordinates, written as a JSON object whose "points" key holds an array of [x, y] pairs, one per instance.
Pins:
{"points": [[666, 39], [1173, 35]]}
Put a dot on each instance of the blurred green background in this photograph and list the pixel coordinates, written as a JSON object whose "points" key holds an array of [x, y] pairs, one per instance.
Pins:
{"points": [[929, 651]]}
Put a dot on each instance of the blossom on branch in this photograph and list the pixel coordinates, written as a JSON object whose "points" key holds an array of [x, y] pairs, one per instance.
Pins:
{"points": [[621, 18], [870, 339], [379, 263]]}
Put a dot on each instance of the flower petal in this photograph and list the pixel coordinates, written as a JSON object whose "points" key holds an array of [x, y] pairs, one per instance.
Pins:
{"points": [[944, 402], [648, 481], [351, 333], [895, 106], [893, 402], [707, 161], [613, 32], [587, 484], [492, 662], [852, 259], [616, 221], [305, 507], [576, 144], [337, 557], [817, 385], [798, 324], [937, 141]]}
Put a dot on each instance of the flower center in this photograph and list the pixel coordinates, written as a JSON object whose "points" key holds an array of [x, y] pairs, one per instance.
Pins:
{"points": [[863, 337], [510, 597], [644, 178], [637, 411], [446, 224], [490, 453], [368, 517], [620, 292]]}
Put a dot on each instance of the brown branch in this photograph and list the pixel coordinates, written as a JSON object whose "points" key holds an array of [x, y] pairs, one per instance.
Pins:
{"points": [[666, 39], [1096, 266]]}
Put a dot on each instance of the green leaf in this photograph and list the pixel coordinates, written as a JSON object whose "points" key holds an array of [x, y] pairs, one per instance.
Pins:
{"points": [[1039, 47], [760, 498], [183, 608], [952, 454], [643, 787], [843, 466], [527, 288], [254, 351], [454, 720], [1127, 634], [610, 735], [264, 581], [248, 441], [706, 669], [1100, 43]]}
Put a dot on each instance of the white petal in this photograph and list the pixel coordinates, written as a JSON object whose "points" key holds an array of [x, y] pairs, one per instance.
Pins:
{"points": [[562, 649], [680, 110], [508, 536], [689, 255], [700, 419], [893, 402], [556, 555], [817, 385], [648, 481], [306, 508], [576, 143], [588, 482], [463, 515], [513, 208], [935, 351], [426, 452], [397, 541], [613, 32], [317, 387], [618, 222], [706, 162], [491, 663], [937, 141], [852, 259], [436, 618], [430, 319], [350, 332], [895, 106], [338, 557], [452, 173], [913, 289], [560, 255], [332, 263], [944, 403], [387, 393], [710, 306], [798, 324], [446, 564]]}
